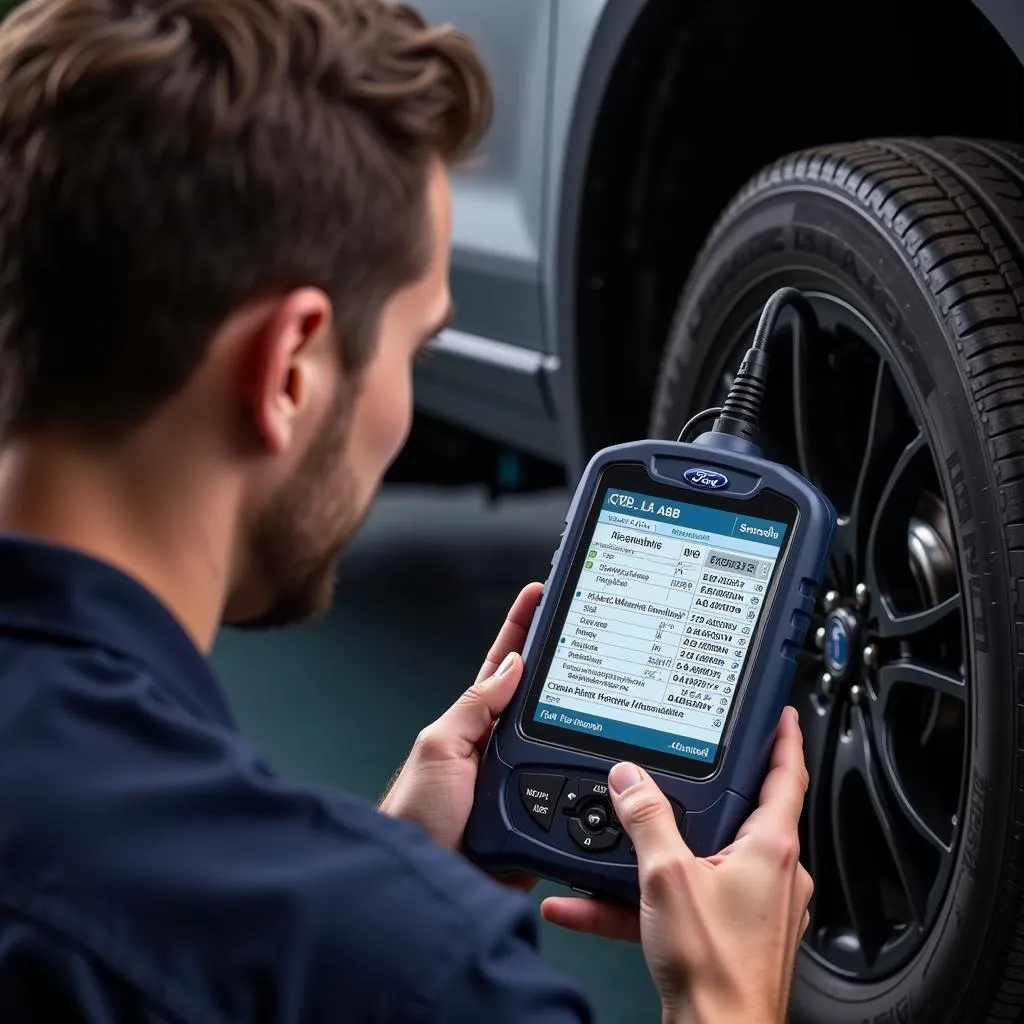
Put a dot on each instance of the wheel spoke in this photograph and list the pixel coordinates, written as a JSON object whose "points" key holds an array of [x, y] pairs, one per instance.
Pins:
{"points": [[843, 555], [893, 624], [859, 891], [903, 463], [934, 681], [877, 454], [875, 431], [914, 673], [895, 828], [820, 729], [800, 402], [855, 753], [906, 807]]}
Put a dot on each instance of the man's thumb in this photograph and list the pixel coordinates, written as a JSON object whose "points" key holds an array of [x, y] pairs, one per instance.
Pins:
{"points": [[473, 714], [644, 811]]}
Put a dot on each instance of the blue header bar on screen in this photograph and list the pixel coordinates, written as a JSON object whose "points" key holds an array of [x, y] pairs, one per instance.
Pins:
{"points": [[694, 517]]}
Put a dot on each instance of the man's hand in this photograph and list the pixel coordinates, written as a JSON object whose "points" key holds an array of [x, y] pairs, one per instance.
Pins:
{"points": [[436, 784], [720, 935]]}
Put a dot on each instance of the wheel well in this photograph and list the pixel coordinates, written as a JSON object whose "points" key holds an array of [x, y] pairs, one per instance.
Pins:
{"points": [[696, 105]]}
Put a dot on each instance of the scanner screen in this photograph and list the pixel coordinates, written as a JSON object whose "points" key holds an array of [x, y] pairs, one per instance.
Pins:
{"points": [[660, 623]]}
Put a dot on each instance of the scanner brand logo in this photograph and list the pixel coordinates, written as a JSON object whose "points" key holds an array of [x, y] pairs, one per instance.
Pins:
{"points": [[706, 479]]}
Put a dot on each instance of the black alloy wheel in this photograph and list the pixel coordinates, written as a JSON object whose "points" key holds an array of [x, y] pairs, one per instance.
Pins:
{"points": [[907, 409], [881, 690]]}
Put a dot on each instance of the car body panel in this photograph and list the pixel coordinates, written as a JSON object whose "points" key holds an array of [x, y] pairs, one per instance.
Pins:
{"points": [[491, 368], [590, 37], [500, 199], [1007, 16], [508, 369], [497, 371]]}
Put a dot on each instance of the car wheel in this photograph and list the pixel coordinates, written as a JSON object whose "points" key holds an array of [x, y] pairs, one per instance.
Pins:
{"points": [[908, 411]]}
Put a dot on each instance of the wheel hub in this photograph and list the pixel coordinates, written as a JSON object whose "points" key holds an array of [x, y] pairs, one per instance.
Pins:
{"points": [[841, 644]]}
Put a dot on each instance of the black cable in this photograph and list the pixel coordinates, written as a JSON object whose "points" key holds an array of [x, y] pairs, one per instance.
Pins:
{"points": [[773, 308], [694, 420], [741, 413]]}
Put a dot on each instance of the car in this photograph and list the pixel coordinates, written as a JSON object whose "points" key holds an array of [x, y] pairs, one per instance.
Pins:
{"points": [[656, 168]]}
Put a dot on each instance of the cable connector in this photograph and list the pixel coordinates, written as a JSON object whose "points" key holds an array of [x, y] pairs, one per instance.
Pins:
{"points": [[741, 412]]}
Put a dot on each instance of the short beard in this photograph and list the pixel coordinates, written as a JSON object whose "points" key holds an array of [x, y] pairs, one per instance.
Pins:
{"points": [[296, 542]]}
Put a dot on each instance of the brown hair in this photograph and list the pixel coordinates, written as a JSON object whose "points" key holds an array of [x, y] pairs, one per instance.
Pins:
{"points": [[164, 161]]}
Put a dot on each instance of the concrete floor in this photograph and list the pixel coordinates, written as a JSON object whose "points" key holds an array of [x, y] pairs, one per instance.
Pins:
{"points": [[422, 593]]}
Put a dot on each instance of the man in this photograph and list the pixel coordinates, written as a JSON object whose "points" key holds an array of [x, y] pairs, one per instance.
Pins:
{"points": [[224, 235]]}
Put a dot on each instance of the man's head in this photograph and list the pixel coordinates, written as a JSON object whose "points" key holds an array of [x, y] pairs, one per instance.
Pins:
{"points": [[224, 227]]}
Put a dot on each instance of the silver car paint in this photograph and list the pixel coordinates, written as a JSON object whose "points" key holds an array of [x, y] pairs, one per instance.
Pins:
{"points": [[506, 368]]}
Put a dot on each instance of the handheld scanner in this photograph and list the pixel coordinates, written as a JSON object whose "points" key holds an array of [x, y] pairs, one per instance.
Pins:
{"points": [[667, 634]]}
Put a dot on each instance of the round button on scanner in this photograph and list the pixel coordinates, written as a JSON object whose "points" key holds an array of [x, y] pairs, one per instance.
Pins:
{"points": [[594, 829], [593, 841]]}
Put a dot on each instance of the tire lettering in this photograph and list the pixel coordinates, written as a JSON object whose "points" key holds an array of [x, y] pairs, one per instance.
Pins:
{"points": [[961, 494], [901, 1012], [977, 605], [804, 239], [974, 823]]}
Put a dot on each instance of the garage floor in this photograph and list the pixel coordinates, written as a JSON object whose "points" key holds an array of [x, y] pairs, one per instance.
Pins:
{"points": [[422, 593]]}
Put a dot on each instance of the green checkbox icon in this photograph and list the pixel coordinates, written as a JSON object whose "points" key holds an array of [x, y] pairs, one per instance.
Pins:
{"points": [[589, 565], [592, 554]]}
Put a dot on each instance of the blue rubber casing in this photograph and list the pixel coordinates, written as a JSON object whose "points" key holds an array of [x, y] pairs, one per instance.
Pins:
{"points": [[501, 837]]}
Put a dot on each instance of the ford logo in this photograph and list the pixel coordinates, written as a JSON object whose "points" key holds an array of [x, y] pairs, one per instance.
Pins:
{"points": [[841, 642], [706, 479], [837, 646]]}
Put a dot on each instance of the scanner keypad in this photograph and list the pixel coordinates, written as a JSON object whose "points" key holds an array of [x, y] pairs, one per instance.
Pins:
{"points": [[592, 824], [581, 805]]}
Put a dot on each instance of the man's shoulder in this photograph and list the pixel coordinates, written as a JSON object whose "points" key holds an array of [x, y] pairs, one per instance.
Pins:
{"points": [[370, 913], [163, 844], [392, 878], [378, 843], [298, 907], [412, 916]]}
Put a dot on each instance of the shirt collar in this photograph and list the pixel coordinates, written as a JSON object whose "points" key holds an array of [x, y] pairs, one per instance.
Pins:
{"points": [[57, 592]]}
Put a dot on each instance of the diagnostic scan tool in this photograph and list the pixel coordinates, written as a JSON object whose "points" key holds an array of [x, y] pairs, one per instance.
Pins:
{"points": [[666, 635]]}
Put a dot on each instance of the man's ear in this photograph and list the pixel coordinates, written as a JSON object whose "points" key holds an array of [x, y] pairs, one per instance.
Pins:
{"points": [[287, 365]]}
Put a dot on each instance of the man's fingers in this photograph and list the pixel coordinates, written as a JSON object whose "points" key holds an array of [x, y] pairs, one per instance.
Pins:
{"points": [[467, 724], [512, 635], [648, 819], [488, 697], [785, 787], [788, 749], [592, 917]]}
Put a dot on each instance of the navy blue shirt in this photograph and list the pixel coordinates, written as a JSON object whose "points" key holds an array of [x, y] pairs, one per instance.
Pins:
{"points": [[153, 868]]}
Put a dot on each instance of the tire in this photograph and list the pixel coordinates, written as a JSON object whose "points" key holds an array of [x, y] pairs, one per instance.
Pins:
{"points": [[922, 241]]}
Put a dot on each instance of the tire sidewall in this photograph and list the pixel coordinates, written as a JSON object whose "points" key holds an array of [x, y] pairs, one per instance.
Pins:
{"points": [[810, 238]]}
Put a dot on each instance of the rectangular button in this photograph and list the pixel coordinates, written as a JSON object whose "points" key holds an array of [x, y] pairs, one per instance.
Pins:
{"points": [[540, 793], [593, 787]]}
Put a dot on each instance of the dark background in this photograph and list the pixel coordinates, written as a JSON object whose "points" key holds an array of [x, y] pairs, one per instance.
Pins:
{"points": [[422, 593]]}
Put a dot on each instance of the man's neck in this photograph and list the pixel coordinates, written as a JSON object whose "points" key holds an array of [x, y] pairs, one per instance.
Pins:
{"points": [[126, 511]]}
